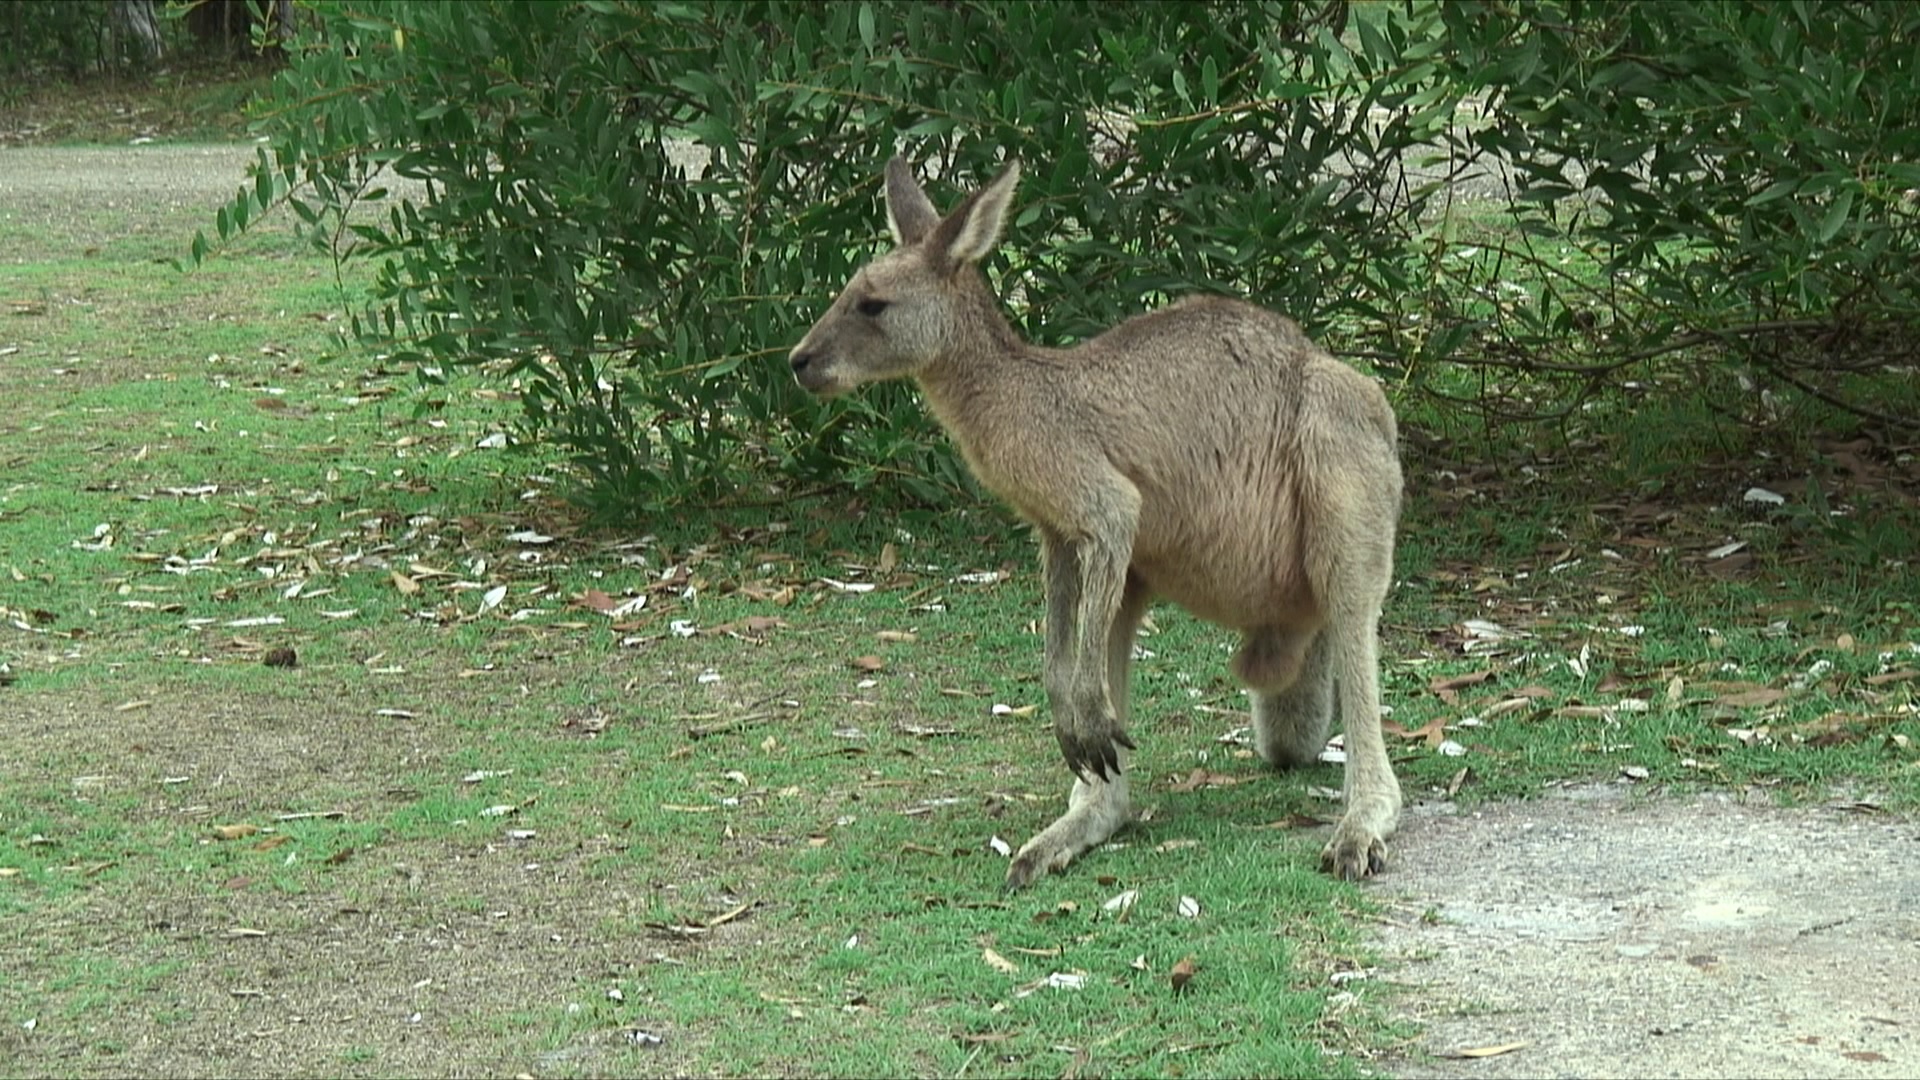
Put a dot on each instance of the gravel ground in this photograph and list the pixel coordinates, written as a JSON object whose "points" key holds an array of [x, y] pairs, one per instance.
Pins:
{"points": [[1605, 936]]}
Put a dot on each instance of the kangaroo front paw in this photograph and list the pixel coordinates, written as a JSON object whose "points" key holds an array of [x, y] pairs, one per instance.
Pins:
{"points": [[1353, 853], [1093, 750]]}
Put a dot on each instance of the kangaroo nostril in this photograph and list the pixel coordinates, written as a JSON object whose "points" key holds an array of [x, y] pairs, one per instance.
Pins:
{"points": [[800, 360]]}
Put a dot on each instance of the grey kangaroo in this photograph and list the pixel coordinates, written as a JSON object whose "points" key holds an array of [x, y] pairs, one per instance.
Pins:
{"points": [[1207, 453]]}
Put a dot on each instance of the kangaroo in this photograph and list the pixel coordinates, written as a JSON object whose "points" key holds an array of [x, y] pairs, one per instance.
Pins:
{"points": [[1207, 453]]}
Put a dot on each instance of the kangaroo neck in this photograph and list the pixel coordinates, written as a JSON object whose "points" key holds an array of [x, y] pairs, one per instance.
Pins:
{"points": [[972, 366]]}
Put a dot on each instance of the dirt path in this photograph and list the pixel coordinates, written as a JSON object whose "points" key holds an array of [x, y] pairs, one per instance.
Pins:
{"points": [[1657, 938]]}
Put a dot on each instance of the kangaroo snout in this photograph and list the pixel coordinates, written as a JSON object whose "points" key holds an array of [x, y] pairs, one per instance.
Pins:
{"points": [[809, 369]]}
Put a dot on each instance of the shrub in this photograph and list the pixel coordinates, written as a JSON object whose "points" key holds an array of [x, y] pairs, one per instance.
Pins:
{"points": [[629, 211], [632, 210]]}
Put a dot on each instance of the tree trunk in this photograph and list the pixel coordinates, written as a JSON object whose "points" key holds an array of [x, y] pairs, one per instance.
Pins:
{"points": [[135, 23]]}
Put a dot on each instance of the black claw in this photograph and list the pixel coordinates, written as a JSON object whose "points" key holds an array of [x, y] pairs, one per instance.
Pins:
{"points": [[1021, 874], [1345, 869], [1088, 758]]}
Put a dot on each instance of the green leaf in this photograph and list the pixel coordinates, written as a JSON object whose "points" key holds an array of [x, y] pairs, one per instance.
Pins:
{"points": [[1836, 216], [1777, 190], [1372, 43]]}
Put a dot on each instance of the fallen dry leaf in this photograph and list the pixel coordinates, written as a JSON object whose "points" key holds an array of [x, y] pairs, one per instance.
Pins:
{"points": [[1200, 778], [405, 584], [1612, 683], [1433, 732], [999, 963], [1064, 907], [752, 627], [1445, 685], [595, 600], [1505, 706], [868, 663], [1059, 980], [731, 914], [1459, 778], [1293, 821], [1487, 1051], [1182, 974], [983, 1038], [234, 832], [1757, 697]]}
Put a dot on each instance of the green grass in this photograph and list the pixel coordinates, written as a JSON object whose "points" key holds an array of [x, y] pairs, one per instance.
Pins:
{"points": [[819, 825], [850, 812]]}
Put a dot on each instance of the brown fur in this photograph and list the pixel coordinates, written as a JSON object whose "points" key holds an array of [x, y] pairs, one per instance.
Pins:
{"points": [[1207, 453]]}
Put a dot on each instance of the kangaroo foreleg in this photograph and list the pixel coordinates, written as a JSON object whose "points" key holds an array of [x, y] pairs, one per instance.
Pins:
{"points": [[1096, 808], [1086, 577]]}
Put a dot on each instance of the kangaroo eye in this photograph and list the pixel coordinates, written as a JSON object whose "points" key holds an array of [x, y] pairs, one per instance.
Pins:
{"points": [[871, 307]]}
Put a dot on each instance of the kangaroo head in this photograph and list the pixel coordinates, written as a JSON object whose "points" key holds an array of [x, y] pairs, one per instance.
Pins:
{"points": [[916, 303]]}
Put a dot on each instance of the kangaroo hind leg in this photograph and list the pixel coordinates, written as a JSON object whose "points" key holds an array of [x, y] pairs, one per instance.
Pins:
{"points": [[1290, 723]]}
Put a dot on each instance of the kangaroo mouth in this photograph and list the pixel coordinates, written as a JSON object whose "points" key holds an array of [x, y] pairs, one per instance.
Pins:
{"points": [[818, 383]]}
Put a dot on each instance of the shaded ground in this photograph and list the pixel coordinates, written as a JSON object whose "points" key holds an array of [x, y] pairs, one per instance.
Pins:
{"points": [[1630, 937]]}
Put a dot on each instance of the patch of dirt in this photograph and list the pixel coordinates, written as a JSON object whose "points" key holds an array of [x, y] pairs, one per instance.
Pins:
{"points": [[85, 198], [461, 952], [1619, 936]]}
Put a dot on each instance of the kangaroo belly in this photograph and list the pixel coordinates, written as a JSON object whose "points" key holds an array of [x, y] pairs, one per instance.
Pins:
{"points": [[1241, 585]]}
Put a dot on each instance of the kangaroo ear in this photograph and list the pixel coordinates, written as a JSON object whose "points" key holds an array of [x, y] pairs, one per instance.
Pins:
{"points": [[969, 233], [910, 216]]}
